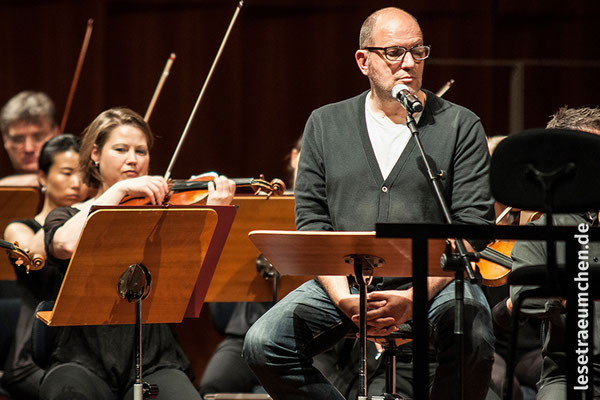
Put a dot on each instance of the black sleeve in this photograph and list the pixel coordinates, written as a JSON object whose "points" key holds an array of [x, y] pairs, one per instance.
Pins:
{"points": [[471, 199], [55, 220], [312, 212]]}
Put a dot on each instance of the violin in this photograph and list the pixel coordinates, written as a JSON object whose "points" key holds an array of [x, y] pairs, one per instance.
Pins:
{"points": [[195, 191], [495, 262], [22, 258]]}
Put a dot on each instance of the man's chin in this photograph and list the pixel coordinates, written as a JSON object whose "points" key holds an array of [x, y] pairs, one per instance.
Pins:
{"points": [[29, 170]]}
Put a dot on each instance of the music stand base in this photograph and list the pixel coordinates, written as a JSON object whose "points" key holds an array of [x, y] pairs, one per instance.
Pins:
{"points": [[137, 391]]}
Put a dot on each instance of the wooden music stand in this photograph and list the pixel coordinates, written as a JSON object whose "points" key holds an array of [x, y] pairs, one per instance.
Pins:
{"points": [[346, 253], [173, 243], [15, 203], [168, 246], [236, 278]]}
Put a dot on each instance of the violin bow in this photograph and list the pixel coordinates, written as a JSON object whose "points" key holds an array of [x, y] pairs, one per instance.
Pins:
{"points": [[445, 88], [82, 53], [503, 214], [161, 82], [210, 72]]}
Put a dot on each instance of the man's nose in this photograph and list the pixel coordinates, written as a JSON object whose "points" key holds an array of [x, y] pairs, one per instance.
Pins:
{"points": [[29, 145], [408, 61]]}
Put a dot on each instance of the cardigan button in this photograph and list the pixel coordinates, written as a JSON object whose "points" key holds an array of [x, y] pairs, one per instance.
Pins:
{"points": [[384, 189]]}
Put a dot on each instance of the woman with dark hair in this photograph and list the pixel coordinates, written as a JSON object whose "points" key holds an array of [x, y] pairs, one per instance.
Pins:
{"points": [[96, 362], [60, 180]]}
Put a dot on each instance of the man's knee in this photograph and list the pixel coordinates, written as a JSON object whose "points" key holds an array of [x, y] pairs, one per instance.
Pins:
{"points": [[479, 333], [477, 328], [254, 345]]}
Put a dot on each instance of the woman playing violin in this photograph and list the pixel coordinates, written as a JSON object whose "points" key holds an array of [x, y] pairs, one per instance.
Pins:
{"points": [[60, 180], [96, 362]]}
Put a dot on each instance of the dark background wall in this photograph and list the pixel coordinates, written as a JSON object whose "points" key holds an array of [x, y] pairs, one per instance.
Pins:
{"points": [[284, 59]]}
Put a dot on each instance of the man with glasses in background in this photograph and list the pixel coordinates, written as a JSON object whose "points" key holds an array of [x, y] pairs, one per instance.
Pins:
{"points": [[27, 121], [360, 166]]}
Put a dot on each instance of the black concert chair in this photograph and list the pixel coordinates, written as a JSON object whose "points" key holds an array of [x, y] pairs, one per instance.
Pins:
{"points": [[390, 349], [553, 171]]}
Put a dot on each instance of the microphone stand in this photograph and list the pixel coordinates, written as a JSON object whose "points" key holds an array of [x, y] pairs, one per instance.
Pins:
{"points": [[463, 260]]}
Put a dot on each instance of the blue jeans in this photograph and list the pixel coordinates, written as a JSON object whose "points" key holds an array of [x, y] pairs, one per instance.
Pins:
{"points": [[280, 346]]}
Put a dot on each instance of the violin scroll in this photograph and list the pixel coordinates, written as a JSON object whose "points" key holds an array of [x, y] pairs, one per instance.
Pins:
{"points": [[37, 262], [22, 257], [277, 187]]}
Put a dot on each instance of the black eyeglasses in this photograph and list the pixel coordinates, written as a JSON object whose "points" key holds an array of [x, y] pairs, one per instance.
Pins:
{"points": [[396, 53]]}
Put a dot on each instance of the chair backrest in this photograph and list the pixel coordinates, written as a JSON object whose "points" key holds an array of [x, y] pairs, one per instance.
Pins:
{"points": [[555, 170]]}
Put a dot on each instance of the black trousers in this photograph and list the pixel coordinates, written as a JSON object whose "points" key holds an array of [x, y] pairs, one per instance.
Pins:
{"points": [[72, 381]]}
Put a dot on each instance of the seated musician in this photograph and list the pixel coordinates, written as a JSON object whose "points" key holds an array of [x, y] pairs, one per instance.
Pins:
{"points": [[96, 362], [359, 166], [529, 350], [26, 123], [226, 371], [61, 183], [552, 384]]}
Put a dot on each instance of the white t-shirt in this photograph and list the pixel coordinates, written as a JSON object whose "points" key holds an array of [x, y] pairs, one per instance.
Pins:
{"points": [[387, 138]]}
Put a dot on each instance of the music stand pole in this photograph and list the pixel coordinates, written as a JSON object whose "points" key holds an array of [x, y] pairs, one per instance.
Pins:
{"points": [[138, 393], [362, 377], [463, 264], [363, 271], [141, 390]]}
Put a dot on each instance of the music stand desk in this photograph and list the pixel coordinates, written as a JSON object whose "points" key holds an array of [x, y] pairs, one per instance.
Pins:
{"points": [[15, 203], [172, 242], [328, 253], [236, 278]]}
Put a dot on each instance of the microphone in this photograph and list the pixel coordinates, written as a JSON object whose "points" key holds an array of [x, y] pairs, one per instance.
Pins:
{"points": [[408, 100]]}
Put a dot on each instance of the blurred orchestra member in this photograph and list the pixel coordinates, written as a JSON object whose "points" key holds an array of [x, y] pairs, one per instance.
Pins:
{"points": [[552, 384], [27, 121], [61, 183]]}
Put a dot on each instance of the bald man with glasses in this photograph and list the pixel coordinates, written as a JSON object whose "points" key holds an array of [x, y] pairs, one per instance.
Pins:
{"points": [[359, 166]]}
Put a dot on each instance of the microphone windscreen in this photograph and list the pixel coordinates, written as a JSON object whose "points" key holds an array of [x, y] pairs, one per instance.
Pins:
{"points": [[396, 90]]}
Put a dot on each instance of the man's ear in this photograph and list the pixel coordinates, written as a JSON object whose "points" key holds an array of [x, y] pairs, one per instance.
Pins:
{"points": [[361, 57], [294, 158], [5, 140], [54, 131]]}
